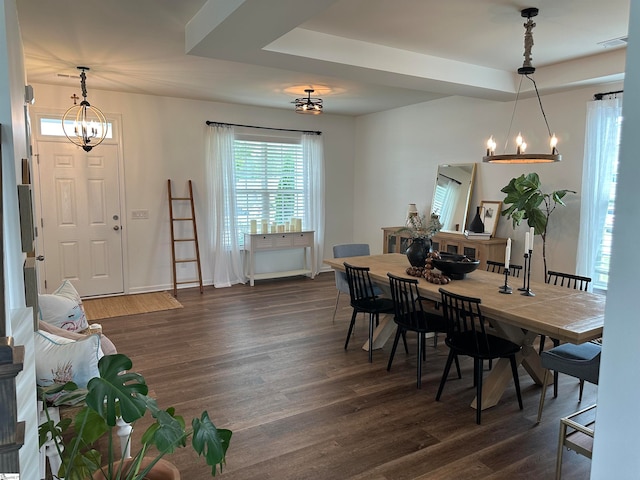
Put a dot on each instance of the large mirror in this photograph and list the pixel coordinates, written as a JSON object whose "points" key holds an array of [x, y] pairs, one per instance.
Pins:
{"points": [[452, 194]]}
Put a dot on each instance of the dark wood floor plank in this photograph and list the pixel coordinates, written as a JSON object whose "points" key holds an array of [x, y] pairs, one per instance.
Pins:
{"points": [[269, 363]]}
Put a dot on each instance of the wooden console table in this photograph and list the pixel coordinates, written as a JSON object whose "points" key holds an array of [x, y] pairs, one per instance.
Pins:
{"points": [[449, 242], [259, 242]]}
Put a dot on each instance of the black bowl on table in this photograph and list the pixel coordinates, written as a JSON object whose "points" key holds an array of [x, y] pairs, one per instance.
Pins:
{"points": [[455, 266]]}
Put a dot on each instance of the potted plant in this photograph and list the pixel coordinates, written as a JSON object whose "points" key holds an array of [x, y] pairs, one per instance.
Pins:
{"points": [[119, 392], [421, 232], [528, 202]]}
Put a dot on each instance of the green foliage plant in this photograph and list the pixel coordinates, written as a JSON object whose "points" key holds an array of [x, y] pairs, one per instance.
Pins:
{"points": [[528, 202], [118, 392]]}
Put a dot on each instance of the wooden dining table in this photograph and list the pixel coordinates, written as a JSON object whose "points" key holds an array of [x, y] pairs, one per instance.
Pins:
{"points": [[565, 314]]}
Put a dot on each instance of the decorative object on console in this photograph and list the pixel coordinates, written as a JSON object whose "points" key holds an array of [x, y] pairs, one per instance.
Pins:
{"points": [[490, 215], [309, 105], [476, 225], [83, 124], [525, 198], [527, 69]]}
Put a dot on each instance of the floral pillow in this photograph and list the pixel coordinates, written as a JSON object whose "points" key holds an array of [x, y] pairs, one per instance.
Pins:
{"points": [[63, 308], [60, 360]]}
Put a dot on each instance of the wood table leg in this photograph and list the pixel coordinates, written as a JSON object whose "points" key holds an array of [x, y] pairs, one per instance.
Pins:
{"points": [[500, 376], [383, 331]]}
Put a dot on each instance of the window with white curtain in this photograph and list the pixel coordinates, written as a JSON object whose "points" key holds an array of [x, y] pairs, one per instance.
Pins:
{"points": [[270, 182], [601, 268]]}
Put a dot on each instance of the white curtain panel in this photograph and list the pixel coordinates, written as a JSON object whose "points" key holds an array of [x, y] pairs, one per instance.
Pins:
{"points": [[449, 204], [223, 233], [313, 157], [600, 154]]}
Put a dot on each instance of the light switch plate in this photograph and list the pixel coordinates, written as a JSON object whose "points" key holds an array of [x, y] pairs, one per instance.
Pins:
{"points": [[139, 214]]}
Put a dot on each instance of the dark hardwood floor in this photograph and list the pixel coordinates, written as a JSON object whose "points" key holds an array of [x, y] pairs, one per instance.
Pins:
{"points": [[268, 363]]}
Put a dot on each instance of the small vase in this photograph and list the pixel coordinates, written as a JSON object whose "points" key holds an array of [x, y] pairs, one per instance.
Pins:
{"points": [[476, 225], [418, 251]]}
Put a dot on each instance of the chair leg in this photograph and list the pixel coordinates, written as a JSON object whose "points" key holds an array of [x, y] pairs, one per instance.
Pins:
{"points": [[516, 379], [541, 347], [581, 389], [335, 310], [404, 340], [457, 366], [372, 318], [399, 332], [545, 380], [421, 341], [445, 374], [477, 368], [353, 321]]}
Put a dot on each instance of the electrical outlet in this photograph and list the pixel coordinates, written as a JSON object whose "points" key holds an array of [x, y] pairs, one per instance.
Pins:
{"points": [[139, 214]]}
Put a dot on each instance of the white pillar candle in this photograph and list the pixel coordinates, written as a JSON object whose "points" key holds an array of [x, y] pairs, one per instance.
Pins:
{"points": [[254, 226], [265, 226], [531, 234], [526, 243], [507, 254]]}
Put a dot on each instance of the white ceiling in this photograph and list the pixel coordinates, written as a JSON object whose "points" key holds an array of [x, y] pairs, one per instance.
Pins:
{"points": [[361, 56]]}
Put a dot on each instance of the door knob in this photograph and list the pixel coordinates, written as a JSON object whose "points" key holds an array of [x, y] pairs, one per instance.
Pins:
{"points": [[116, 228], [40, 258]]}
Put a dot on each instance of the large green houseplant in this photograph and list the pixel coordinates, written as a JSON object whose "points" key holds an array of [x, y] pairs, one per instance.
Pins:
{"points": [[528, 202], [120, 392]]}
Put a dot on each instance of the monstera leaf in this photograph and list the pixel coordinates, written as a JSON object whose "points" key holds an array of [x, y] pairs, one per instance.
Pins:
{"points": [[117, 391]]}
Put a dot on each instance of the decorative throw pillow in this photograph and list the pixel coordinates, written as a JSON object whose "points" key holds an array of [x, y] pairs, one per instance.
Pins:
{"points": [[60, 360], [63, 308]]}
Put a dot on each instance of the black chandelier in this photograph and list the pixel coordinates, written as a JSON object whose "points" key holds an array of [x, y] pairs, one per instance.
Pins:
{"points": [[526, 70], [83, 124], [309, 105]]}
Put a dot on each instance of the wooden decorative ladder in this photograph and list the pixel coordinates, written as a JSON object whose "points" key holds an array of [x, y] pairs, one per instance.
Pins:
{"points": [[174, 240]]}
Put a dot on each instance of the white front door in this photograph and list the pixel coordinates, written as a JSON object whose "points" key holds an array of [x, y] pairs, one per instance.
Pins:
{"points": [[81, 225]]}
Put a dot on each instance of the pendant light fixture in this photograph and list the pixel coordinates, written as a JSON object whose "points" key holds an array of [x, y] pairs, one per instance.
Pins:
{"points": [[83, 124], [309, 105], [525, 71]]}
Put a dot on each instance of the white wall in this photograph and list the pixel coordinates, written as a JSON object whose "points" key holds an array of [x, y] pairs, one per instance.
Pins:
{"points": [[165, 138], [397, 153]]}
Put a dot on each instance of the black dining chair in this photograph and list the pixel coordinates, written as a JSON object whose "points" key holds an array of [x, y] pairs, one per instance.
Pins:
{"points": [[365, 300], [498, 267], [411, 316], [347, 250], [580, 361], [467, 335]]}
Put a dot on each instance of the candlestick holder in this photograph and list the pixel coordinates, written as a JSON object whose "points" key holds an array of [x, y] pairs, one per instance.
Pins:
{"points": [[524, 274], [506, 288], [527, 292]]}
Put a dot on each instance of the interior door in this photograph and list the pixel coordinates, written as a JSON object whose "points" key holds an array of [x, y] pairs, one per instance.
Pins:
{"points": [[80, 208]]}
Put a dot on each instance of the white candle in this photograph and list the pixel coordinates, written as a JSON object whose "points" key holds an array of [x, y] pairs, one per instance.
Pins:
{"points": [[526, 243], [531, 234], [507, 254], [254, 226]]}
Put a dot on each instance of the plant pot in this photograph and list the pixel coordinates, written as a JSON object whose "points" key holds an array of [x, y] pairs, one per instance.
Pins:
{"points": [[163, 470], [418, 251]]}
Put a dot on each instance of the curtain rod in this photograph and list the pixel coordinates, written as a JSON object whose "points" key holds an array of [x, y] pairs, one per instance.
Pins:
{"points": [[598, 96], [316, 132]]}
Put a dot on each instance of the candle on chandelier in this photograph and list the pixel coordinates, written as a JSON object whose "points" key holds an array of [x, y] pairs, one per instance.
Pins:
{"points": [[554, 143]]}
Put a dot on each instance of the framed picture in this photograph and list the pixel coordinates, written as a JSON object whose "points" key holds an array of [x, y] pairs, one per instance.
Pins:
{"points": [[490, 211]]}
